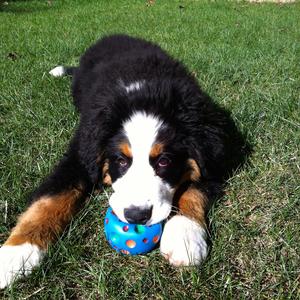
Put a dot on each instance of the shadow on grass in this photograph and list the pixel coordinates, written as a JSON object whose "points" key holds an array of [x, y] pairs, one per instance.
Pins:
{"points": [[25, 7]]}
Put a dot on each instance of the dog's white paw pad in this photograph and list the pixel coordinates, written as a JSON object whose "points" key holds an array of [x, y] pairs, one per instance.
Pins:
{"points": [[183, 242]]}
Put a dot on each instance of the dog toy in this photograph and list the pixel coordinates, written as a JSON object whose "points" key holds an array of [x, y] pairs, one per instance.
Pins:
{"points": [[130, 238]]}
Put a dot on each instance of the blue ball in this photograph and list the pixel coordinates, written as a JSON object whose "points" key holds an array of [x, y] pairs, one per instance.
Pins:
{"points": [[130, 238]]}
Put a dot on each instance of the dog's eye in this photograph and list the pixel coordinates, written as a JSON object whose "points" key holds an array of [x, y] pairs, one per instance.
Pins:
{"points": [[163, 162], [122, 162]]}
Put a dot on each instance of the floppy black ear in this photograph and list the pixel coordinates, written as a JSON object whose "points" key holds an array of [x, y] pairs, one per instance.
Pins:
{"points": [[195, 154], [97, 125], [89, 149], [218, 147], [204, 127], [91, 136], [209, 153]]}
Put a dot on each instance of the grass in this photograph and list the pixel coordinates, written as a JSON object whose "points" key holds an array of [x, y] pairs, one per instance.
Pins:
{"points": [[246, 56]]}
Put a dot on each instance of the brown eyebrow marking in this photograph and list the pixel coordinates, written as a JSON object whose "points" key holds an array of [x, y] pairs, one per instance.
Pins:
{"points": [[125, 149], [156, 150]]}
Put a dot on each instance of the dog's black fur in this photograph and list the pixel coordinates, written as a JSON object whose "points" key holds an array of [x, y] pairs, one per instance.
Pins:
{"points": [[200, 128], [118, 77]]}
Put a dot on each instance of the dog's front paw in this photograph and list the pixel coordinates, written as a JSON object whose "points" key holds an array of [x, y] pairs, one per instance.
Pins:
{"points": [[183, 242], [17, 261]]}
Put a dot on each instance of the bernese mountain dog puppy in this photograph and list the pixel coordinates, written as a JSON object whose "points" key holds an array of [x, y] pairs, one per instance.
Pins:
{"points": [[147, 130]]}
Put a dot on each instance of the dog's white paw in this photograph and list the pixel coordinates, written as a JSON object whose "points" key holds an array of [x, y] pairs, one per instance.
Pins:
{"points": [[58, 71], [18, 261], [183, 242]]}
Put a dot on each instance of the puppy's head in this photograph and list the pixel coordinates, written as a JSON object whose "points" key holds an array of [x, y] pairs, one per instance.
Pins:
{"points": [[145, 165]]}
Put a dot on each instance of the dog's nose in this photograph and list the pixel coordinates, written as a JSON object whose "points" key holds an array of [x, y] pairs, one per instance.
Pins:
{"points": [[137, 215]]}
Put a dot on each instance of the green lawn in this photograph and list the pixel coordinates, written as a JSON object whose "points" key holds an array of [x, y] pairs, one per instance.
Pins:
{"points": [[247, 57]]}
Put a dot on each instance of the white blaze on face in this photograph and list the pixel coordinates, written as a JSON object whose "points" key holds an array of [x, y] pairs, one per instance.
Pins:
{"points": [[140, 186]]}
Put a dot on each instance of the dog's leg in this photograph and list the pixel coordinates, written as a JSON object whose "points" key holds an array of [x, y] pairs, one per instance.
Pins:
{"points": [[53, 205], [183, 242]]}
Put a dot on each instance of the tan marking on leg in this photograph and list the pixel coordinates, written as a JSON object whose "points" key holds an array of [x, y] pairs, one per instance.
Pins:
{"points": [[125, 149], [192, 204], [45, 219], [156, 150]]}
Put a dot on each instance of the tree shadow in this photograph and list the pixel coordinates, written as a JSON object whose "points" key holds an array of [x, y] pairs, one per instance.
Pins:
{"points": [[24, 7]]}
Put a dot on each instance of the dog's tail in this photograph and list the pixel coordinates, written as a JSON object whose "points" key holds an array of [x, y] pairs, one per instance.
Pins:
{"points": [[62, 71]]}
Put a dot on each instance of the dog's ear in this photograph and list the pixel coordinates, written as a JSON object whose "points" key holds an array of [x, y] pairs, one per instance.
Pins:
{"points": [[196, 162], [91, 146], [209, 156], [98, 124], [194, 171]]}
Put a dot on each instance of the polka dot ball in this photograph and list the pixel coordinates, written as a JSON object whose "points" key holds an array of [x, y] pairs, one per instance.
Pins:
{"points": [[130, 238]]}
